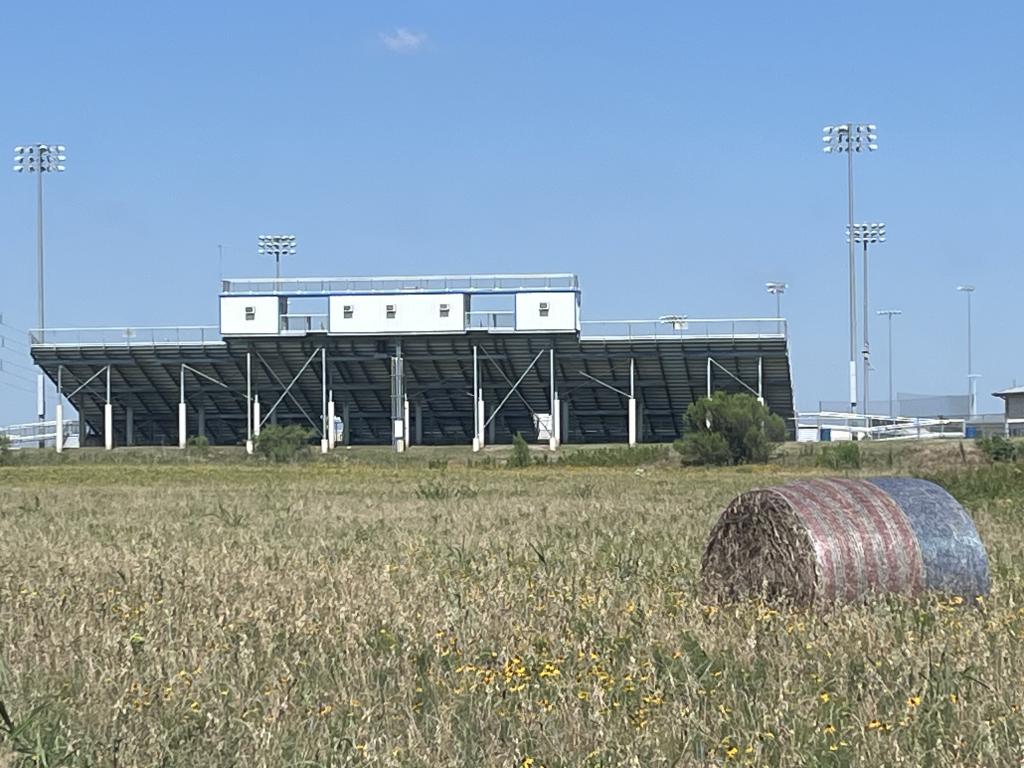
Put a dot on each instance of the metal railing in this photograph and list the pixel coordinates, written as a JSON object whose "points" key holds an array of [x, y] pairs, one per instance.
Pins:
{"points": [[504, 319], [502, 283], [125, 335], [31, 434], [687, 328], [304, 323]]}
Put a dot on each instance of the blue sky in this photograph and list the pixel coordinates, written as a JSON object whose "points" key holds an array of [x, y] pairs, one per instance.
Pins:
{"points": [[667, 152]]}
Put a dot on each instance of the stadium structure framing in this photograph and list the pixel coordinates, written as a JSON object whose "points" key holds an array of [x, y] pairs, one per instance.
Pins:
{"points": [[586, 382]]}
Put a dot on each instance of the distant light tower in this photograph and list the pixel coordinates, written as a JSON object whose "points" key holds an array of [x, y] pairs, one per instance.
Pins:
{"points": [[277, 246], [969, 289], [890, 313], [851, 138], [866, 233], [777, 289], [40, 159]]}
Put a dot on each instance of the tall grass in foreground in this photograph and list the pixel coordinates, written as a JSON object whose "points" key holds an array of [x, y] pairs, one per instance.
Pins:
{"points": [[344, 615]]}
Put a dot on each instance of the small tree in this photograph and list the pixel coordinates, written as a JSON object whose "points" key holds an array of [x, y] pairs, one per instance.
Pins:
{"points": [[281, 444], [5, 447], [730, 429], [520, 452]]}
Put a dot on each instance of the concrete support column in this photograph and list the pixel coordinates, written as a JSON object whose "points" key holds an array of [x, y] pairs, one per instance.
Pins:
{"points": [[481, 418], [129, 426], [83, 429], [553, 400], [201, 430], [58, 414], [257, 416], [108, 426], [760, 381], [325, 439], [476, 401], [108, 418], [182, 423], [399, 436], [408, 433], [640, 419], [556, 424], [332, 426], [632, 421], [250, 404], [419, 424], [346, 425]]}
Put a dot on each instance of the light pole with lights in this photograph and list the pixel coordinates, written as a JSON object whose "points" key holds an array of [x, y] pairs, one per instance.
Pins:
{"points": [[276, 246], [777, 289], [866, 233], [40, 159], [851, 138], [969, 289], [890, 313]]}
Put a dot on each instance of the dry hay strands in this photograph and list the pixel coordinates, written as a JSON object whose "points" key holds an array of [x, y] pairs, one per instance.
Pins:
{"points": [[955, 562], [812, 542]]}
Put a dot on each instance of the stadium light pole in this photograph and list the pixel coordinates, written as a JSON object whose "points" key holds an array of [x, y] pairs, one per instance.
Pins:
{"points": [[276, 246], [890, 313], [864, 234], [777, 289], [40, 159], [851, 138], [969, 289]]}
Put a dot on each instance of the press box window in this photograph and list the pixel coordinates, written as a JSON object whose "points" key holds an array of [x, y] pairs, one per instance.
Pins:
{"points": [[544, 309], [390, 311], [445, 310], [250, 313], [346, 312]]}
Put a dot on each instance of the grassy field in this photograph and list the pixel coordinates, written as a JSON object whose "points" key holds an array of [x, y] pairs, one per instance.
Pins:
{"points": [[158, 609]]}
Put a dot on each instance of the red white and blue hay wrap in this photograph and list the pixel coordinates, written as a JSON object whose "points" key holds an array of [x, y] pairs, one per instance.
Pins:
{"points": [[838, 540]]}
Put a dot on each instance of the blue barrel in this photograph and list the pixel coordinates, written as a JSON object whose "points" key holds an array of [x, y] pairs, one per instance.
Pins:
{"points": [[970, 431], [826, 434]]}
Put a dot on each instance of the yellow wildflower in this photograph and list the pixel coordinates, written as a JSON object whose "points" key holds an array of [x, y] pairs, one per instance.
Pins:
{"points": [[914, 701], [824, 697]]}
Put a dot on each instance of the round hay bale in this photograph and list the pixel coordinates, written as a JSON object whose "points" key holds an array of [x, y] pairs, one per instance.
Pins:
{"points": [[812, 542], [955, 561]]}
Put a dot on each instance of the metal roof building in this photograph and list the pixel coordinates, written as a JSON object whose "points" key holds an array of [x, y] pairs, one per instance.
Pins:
{"points": [[411, 360]]}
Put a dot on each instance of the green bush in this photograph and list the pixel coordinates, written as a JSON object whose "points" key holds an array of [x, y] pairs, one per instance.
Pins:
{"points": [[998, 448], [840, 456], [705, 448], [281, 444], [520, 452], [730, 429], [618, 456], [5, 448]]}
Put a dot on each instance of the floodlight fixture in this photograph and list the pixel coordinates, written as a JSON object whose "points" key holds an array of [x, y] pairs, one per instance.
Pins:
{"points": [[678, 322], [867, 233], [276, 246], [776, 289], [851, 138], [40, 159]]}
